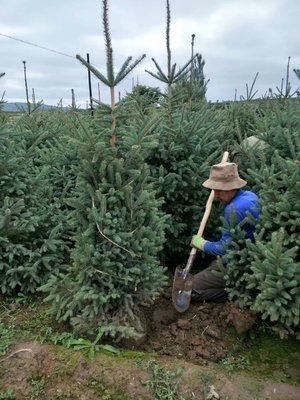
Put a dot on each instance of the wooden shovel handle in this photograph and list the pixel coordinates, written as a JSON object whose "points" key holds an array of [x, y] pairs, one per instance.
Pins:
{"points": [[208, 207]]}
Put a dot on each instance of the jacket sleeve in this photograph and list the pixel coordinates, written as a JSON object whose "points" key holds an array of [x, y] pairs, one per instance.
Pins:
{"points": [[218, 248]]}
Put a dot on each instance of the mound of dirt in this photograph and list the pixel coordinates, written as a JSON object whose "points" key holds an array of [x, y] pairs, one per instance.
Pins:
{"points": [[200, 334]]}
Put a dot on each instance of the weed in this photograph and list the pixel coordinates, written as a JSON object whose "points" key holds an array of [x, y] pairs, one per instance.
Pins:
{"points": [[6, 333], [7, 395], [21, 299], [38, 384], [206, 381], [92, 347], [163, 383], [68, 340], [105, 393], [46, 334], [233, 363]]}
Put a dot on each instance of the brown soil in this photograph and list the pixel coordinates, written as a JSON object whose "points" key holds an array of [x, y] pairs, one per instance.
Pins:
{"points": [[200, 334], [194, 342]]}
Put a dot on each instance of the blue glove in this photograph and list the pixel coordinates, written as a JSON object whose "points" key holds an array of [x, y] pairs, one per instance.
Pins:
{"points": [[198, 242]]}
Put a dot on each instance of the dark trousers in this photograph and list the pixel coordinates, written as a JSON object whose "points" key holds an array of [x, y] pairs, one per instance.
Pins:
{"points": [[209, 285]]}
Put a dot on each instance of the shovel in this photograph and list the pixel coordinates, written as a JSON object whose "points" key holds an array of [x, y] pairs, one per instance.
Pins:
{"points": [[183, 283]]}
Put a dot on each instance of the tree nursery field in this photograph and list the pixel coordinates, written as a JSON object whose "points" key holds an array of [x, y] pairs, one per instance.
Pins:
{"points": [[97, 211], [91, 235]]}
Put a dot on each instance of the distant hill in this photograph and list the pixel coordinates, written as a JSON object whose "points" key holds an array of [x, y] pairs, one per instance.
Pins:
{"points": [[19, 107]]}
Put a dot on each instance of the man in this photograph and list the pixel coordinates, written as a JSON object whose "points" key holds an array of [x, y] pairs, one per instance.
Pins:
{"points": [[225, 181]]}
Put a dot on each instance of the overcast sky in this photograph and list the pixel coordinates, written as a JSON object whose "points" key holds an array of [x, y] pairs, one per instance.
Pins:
{"points": [[237, 39]]}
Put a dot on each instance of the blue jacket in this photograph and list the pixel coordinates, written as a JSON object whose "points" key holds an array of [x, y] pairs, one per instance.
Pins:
{"points": [[244, 202]]}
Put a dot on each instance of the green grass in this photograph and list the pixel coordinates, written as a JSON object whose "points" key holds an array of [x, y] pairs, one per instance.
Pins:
{"points": [[6, 334], [271, 354], [164, 383], [105, 393], [262, 354], [7, 395], [38, 384]]}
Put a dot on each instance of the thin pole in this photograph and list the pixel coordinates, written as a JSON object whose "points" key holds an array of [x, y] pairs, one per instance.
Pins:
{"points": [[192, 70], [73, 100], [99, 95], [192, 44], [33, 96], [192, 53], [90, 84], [26, 87]]}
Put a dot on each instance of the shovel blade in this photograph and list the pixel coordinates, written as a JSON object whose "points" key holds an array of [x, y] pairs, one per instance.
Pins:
{"points": [[182, 290]]}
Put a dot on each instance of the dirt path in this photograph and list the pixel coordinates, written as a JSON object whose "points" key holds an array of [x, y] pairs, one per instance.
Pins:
{"points": [[195, 355], [35, 371]]}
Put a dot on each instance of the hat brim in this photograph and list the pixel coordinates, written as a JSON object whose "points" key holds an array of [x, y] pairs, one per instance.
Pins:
{"points": [[232, 185]]}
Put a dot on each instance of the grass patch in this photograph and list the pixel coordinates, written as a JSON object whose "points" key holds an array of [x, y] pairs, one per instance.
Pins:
{"points": [[7, 395], [104, 392], [271, 353], [164, 383], [262, 354], [38, 384], [6, 334]]}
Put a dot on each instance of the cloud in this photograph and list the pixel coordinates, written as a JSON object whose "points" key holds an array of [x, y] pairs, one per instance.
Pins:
{"points": [[236, 38]]}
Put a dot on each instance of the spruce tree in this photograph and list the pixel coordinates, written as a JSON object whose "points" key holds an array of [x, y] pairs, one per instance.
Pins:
{"points": [[111, 79], [119, 231], [31, 225], [264, 275], [191, 88], [275, 276], [171, 76], [117, 222]]}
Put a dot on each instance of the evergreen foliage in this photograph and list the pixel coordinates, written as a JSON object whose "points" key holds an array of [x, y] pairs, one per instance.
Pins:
{"points": [[143, 100], [31, 227], [275, 275], [112, 79], [265, 275], [171, 76], [179, 166], [191, 88], [117, 224], [92, 209], [112, 208], [118, 231]]}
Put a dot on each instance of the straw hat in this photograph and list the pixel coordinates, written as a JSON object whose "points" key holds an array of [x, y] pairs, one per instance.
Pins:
{"points": [[224, 176]]}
